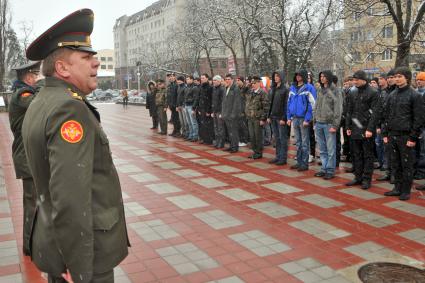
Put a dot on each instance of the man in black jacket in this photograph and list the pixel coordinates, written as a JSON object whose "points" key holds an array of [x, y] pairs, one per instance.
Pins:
{"points": [[277, 117], [217, 99], [172, 103], [206, 127], [403, 118], [190, 117], [361, 105]]}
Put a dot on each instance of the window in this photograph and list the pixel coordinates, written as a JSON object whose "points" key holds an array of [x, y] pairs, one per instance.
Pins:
{"points": [[110, 67], [356, 16], [387, 32], [103, 67], [109, 59], [356, 56], [214, 64], [369, 35], [387, 55], [356, 36], [102, 59]]}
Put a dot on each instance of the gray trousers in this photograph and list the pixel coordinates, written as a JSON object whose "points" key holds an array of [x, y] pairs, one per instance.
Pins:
{"points": [[219, 130], [232, 126]]}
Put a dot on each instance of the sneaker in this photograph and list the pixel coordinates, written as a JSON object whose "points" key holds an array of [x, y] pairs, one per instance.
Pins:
{"points": [[328, 176], [242, 144], [311, 158], [420, 188], [273, 161], [320, 174]]}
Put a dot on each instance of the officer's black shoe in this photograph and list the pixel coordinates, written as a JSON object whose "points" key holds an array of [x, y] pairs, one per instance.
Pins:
{"points": [[353, 183], [383, 178], [392, 193], [365, 185], [257, 156], [420, 188], [404, 196]]}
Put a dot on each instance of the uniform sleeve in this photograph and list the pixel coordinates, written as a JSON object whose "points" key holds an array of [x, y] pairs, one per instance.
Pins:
{"points": [[70, 144], [266, 106], [25, 99]]}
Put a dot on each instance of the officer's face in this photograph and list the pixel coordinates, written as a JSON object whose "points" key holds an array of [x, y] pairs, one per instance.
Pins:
{"points": [[81, 71]]}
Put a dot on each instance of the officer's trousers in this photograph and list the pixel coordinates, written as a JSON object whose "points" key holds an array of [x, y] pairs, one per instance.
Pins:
{"points": [[402, 161], [106, 277], [162, 118], [363, 156], [29, 196], [255, 135]]}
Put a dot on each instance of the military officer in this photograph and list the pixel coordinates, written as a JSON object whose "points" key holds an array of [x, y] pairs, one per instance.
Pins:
{"points": [[24, 91], [79, 232]]}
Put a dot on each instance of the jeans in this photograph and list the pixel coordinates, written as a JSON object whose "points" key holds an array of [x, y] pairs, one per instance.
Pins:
{"points": [[327, 147], [281, 138], [183, 125], [191, 122], [302, 136]]}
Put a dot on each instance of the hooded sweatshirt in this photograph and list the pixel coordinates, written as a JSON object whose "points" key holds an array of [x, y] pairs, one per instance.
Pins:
{"points": [[278, 98], [301, 99]]}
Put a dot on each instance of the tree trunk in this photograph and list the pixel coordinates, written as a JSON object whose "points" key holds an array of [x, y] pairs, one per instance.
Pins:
{"points": [[403, 51], [209, 62]]}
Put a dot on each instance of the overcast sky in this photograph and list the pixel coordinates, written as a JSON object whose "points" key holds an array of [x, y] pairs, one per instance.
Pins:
{"points": [[42, 14]]}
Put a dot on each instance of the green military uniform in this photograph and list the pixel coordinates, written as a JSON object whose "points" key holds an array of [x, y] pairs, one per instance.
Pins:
{"points": [[80, 223], [19, 103], [256, 110], [161, 104]]}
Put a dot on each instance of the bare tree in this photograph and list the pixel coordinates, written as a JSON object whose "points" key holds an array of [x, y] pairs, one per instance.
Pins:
{"points": [[4, 24]]}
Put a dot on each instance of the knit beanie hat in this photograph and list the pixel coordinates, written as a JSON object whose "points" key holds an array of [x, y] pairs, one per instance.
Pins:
{"points": [[360, 75], [217, 78], [420, 76], [404, 71]]}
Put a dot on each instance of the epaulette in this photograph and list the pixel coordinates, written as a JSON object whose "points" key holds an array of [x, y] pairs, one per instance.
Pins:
{"points": [[75, 95]]}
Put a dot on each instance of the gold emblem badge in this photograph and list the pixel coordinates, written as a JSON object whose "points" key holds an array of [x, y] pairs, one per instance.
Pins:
{"points": [[72, 131]]}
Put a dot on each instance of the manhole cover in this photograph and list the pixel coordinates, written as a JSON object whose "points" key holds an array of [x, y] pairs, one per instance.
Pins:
{"points": [[386, 272]]}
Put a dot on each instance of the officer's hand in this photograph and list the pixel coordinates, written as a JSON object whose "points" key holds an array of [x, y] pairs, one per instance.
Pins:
{"points": [[378, 131], [411, 144], [212, 115], [67, 277], [368, 134], [332, 130], [385, 139], [306, 124], [348, 132], [262, 123], [288, 122], [269, 120], [282, 123]]}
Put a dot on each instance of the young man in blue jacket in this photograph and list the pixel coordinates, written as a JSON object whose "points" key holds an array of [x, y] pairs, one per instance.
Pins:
{"points": [[299, 113]]}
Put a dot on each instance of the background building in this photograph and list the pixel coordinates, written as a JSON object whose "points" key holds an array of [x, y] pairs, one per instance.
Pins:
{"points": [[106, 71]]}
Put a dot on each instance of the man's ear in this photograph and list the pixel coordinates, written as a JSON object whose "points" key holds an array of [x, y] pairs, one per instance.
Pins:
{"points": [[61, 68]]}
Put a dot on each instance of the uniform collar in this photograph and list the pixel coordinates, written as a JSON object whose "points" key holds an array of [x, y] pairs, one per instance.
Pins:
{"points": [[56, 82]]}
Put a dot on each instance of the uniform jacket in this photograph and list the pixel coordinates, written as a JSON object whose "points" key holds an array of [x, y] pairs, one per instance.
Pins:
{"points": [[231, 103], [278, 98], [257, 105], [161, 98], [360, 107], [19, 103], [217, 98], [404, 113], [328, 106], [301, 100], [79, 223]]}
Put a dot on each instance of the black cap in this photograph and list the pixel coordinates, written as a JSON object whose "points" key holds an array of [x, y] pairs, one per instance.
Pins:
{"points": [[72, 32], [390, 73], [32, 66], [360, 75]]}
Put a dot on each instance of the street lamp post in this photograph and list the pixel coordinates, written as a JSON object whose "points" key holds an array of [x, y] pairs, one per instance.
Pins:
{"points": [[138, 82]]}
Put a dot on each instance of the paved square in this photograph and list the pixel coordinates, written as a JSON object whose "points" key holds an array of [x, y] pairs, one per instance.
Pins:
{"points": [[13, 278], [163, 188], [309, 270], [153, 230], [250, 177], [204, 161], [319, 229], [320, 182], [153, 158], [209, 183], [226, 169], [237, 158], [259, 243], [129, 168], [417, 235], [407, 207], [187, 155], [4, 206], [8, 253], [218, 219], [260, 165], [238, 194], [187, 201], [289, 173], [282, 188], [168, 165], [128, 148], [144, 177], [119, 161], [366, 195], [369, 218], [170, 149], [273, 209], [217, 152], [140, 152], [187, 173], [6, 226], [187, 258], [320, 201], [233, 279], [135, 209]]}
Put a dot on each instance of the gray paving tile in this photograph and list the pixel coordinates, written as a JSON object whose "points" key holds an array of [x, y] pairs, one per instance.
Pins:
{"points": [[204, 161], [273, 209], [289, 173], [144, 177], [321, 201], [209, 183], [233, 279], [226, 169], [319, 182], [4, 206], [187, 155], [13, 278], [128, 147], [236, 158], [187, 258], [259, 243], [120, 276], [8, 253], [218, 219], [135, 209], [319, 229], [366, 195], [217, 152], [417, 235], [153, 158], [129, 168], [369, 218], [238, 194], [158, 145], [124, 195], [384, 185], [119, 161], [140, 152], [170, 149], [6, 226], [163, 188], [282, 188], [153, 230], [250, 177], [168, 165], [260, 165], [407, 207], [187, 201], [187, 173]]}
